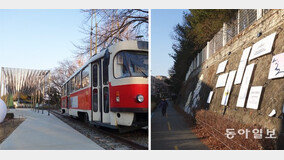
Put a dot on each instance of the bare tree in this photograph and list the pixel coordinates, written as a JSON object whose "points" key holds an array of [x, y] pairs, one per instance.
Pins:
{"points": [[60, 74], [124, 24]]}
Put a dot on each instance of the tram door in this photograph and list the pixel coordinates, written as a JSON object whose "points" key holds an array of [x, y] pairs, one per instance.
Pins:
{"points": [[100, 92], [105, 91], [96, 103]]}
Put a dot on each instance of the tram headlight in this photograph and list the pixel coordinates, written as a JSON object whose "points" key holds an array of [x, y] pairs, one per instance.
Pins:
{"points": [[117, 99], [140, 98]]}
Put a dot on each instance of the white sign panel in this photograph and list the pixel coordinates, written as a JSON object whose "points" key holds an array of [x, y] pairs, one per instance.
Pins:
{"points": [[272, 113], [74, 102], [187, 107], [244, 86], [221, 81], [277, 66], [262, 47], [254, 96], [242, 65], [228, 87], [210, 97], [188, 99], [221, 67]]}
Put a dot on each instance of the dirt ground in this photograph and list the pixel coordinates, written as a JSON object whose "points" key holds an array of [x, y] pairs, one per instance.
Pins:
{"points": [[8, 126], [210, 128]]}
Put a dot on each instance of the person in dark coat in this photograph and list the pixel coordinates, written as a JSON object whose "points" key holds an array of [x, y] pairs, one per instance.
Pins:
{"points": [[164, 105]]}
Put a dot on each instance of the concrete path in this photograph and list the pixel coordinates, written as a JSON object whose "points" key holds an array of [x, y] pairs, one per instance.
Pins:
{"points": [[172, 132], [42, 132]]}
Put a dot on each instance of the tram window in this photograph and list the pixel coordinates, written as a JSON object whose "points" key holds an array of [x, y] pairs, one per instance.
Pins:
{"points": [[64, 103], [65, 89], [131, 64], [106, 100], [73, 84], [85, 77], [68, 102], [68, 88], [105, 70], [78, 81], [95, 100], [95, 75], [105, 74]]}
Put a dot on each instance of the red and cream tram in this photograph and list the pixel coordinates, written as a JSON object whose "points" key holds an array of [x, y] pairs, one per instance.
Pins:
{"points": [[111, 89]]}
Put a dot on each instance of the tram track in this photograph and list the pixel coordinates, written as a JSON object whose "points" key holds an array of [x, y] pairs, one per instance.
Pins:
{"points": [[107, 138]]}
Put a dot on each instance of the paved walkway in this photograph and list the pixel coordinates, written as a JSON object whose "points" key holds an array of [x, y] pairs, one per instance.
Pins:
{"points": [[172, 132], [42, 132]]}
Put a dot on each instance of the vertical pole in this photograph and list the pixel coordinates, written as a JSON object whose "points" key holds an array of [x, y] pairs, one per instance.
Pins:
{"points": [[43, 89], [91, 35], [117, 23], [224, 34], [208, 49], [39, 95], [258, 13], [197, 60], [49, 77], [238, 22], [5, 89], [96, 23], [33, 100], [37, 98]]}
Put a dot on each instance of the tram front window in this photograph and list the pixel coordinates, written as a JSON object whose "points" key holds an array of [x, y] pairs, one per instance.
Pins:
{"points": [[131, 64]]}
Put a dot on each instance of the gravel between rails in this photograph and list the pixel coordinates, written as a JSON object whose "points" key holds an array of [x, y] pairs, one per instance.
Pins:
{"points": [[111, 141]]}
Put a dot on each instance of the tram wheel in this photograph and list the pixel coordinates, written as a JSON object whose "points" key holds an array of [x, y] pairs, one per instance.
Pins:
{"points": [[85, 117]]}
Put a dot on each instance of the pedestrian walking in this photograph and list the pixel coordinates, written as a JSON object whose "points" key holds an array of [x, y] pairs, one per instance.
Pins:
{"points": [[163, 104]]}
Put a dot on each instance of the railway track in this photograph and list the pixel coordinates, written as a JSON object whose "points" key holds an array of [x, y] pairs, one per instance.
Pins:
{"points": [[107, 138]]}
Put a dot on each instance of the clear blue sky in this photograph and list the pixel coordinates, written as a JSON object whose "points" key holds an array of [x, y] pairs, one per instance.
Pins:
{"points": [[38, 39], [163, 22]]}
